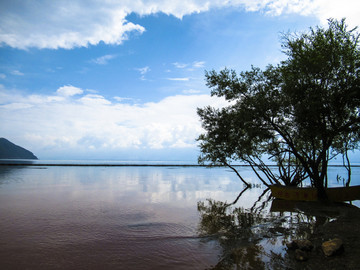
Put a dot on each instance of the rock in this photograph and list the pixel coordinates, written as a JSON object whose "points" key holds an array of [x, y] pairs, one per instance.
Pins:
{"points": [[291, 245], [304, 245], [302, 249], [301, 255], [333, 247]]}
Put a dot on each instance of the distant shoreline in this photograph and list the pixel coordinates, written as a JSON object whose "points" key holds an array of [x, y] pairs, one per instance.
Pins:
{"points": [[37, 164], [104, 165]]}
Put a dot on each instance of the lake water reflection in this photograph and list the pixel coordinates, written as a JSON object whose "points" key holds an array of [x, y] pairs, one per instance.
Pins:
{"points": [[119, 217]]}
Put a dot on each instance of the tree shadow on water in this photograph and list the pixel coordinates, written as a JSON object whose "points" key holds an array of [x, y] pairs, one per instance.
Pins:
{"points": [[255, 237]]}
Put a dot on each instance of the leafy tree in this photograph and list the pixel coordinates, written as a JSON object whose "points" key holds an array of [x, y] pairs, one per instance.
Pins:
{"points": [[300, 114]]}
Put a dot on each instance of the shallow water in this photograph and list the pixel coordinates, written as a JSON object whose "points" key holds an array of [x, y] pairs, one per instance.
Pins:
{"points": [[123, 218]]}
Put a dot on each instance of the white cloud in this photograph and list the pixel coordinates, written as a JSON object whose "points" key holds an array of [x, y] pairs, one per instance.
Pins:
{"points": [[191, 91], [63, 24], [190, 66], [122, 99], [143, 70], [321, 9], [180, 65], [324, 9], [69, 90], [59, 24], [16, 106], [199, 64], [103, 60], [90, 121], [94, 100], [179, 79], [17, 73]]}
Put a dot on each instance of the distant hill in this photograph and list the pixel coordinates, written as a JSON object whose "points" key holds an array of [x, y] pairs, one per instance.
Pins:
{"points": [[8, 150]]}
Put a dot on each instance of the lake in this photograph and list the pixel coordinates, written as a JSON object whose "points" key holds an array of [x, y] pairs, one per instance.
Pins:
{"points": [[134, 217]]}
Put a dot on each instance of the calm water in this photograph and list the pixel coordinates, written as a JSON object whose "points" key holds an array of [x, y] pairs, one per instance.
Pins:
{"points": [[120, 217]]}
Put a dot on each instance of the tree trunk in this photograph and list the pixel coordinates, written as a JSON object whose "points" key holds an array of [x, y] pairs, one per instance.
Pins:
{"points": [[321, 190]]}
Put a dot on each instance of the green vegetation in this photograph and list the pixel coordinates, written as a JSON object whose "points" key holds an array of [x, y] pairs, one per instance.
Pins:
{"points": [[299, 114]]}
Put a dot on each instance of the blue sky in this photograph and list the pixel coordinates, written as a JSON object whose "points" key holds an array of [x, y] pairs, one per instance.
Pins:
{"points": [[123, 79]]}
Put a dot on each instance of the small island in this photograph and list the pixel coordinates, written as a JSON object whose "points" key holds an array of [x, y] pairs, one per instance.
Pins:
{"points": [[9, 150]]}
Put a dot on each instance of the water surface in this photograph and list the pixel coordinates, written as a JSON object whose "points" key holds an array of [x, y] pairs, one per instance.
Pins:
{"points": [[119, 217]]}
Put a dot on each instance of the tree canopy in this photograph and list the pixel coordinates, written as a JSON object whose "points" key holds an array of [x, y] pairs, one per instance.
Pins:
{"points": [[300, 113]]}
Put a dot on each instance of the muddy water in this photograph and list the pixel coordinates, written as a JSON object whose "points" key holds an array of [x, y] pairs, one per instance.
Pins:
{"points": [[139, 218]]}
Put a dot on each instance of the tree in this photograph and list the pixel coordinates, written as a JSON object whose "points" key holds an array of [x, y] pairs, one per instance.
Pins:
{"points": [[300, 114]]}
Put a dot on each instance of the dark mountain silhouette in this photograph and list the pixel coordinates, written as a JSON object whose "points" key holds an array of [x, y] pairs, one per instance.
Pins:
{"points": [[8, 150]]}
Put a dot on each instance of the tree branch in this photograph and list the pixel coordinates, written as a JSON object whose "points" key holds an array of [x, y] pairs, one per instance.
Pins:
{"points": [[237, 173]]}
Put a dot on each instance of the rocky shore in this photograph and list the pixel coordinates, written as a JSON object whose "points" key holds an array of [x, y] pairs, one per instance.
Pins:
{"points": [[341, 233]]}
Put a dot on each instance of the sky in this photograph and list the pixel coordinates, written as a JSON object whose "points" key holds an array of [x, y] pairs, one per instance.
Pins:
{"points": [[122, 80]]}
